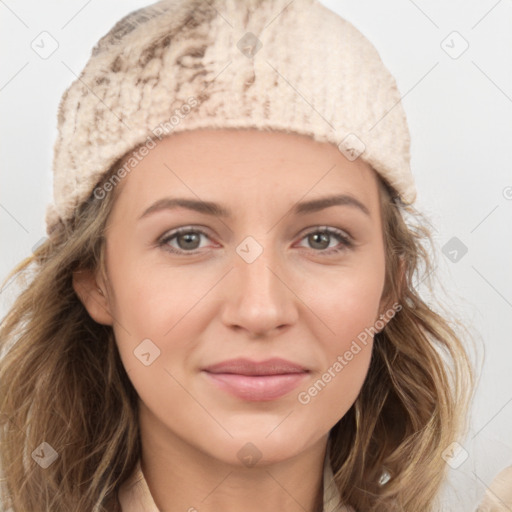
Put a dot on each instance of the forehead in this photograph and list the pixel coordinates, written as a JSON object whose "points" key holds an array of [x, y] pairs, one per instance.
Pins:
{"points": [[244, 165]]}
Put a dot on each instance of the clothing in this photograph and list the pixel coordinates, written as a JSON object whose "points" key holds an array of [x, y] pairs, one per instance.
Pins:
{"points": [[498, 495], [135, 496], [270, 65]]}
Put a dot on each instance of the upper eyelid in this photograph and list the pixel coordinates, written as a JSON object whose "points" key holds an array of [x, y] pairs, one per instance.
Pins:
{"points": [[204, 230]]}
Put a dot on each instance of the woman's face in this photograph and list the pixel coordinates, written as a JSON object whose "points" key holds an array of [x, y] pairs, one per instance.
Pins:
{"points": [[261, 280]]}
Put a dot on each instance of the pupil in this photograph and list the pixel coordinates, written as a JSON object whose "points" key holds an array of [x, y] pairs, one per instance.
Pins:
{"points": [[320, 236], [189, 237]]}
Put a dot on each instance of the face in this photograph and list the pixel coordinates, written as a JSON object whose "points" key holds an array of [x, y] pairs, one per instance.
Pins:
{"points": [[277, 275]]}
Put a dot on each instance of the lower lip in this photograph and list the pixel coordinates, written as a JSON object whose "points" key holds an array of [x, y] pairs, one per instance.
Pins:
{"points": [[257, 388]]}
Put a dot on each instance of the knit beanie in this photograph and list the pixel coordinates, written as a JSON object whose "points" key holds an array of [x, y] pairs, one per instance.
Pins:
{"points": [[274, 65]]}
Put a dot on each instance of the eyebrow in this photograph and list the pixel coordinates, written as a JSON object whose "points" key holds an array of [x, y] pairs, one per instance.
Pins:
{"points": [[215, 209]]}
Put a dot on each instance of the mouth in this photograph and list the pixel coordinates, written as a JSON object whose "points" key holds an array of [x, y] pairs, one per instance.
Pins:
{"points": [[256, 381]]}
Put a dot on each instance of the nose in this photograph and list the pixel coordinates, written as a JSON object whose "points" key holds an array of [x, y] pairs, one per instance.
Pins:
{"points": [[262, 300]]}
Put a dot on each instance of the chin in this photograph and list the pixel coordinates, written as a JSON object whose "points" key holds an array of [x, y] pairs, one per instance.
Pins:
{"points": [[250, 450]]}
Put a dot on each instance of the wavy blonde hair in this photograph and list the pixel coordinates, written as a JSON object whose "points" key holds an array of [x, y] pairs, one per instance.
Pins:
{"points": [[62, 382]]}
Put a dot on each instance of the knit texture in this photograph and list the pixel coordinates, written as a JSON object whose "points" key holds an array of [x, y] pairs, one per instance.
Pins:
{"points": [[292, 66]]}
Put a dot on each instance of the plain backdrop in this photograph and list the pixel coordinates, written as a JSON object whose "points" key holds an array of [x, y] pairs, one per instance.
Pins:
{"points": [[453, 64]]}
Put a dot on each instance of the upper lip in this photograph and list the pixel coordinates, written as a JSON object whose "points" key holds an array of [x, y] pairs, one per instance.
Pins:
{"points": [[242, 366]]}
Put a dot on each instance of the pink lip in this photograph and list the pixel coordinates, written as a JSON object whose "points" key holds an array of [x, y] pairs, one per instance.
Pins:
{"points": [[256, 381]]}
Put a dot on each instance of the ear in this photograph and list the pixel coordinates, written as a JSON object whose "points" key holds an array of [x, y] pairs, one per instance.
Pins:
{"points": [[92, 293]]}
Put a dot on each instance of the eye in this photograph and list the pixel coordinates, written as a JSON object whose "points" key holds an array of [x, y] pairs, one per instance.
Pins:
{"points": [[187, 239], [322, 236]]}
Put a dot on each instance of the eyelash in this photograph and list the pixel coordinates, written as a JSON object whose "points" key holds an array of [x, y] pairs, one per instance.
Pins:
{"points": [[340, 235]]}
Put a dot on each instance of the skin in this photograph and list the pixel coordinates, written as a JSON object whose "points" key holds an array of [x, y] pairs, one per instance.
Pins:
{"points": [[293, 301]]}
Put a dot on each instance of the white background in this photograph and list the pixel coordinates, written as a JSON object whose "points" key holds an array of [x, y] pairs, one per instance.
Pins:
{"points": [[460, 116]]}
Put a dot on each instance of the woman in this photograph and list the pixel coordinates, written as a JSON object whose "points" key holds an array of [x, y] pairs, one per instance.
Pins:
{"points": [[286, 363]]}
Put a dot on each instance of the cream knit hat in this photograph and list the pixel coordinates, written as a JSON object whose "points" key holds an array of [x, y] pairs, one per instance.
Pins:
{"points": [[290, 65]]}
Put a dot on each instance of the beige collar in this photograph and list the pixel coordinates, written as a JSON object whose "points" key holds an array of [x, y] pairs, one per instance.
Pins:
{"points": [[134, 494]]}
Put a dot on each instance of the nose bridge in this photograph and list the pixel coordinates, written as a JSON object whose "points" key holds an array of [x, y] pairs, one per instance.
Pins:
{"points": [[261, 301], [256, 258]]}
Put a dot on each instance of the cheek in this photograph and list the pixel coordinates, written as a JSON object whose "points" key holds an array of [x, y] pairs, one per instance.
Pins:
{"points": [[347, 303], [162, 304], [149, 297], [156, 331], [347, 306], [345, 352]]}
